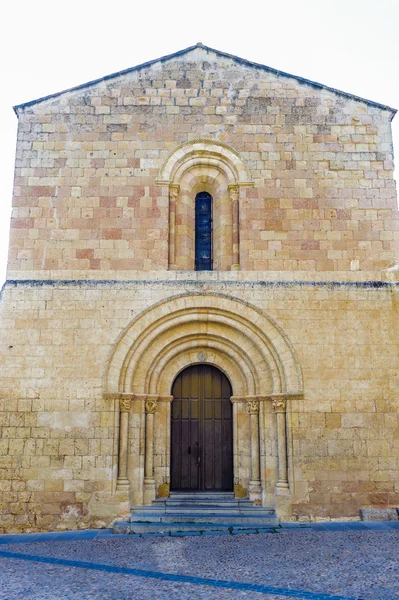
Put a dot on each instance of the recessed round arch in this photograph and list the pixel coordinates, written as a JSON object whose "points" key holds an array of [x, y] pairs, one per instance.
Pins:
{"points": [[201, 355], [211, 349], [222, 172], [204, 153], [196, 180], [240, 339]]}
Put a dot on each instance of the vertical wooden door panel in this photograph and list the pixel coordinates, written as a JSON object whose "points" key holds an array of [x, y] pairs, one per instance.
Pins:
{"points": [[201, 431]]}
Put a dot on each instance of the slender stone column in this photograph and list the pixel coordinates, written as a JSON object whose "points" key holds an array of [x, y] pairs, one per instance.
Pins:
{"points": [[122, 483], [255, 487], [234, 196], [163, 490], [280, 407], [173, 195], [149, 481]]}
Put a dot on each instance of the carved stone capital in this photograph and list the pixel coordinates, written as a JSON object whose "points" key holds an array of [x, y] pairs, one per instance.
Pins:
{"points": [[124, 403], [151, 406], [280, 404], [234, 192], [174, 192], [253, 407]]}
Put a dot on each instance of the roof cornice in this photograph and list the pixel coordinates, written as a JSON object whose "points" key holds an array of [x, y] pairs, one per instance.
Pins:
{"points": [[243, 61]]}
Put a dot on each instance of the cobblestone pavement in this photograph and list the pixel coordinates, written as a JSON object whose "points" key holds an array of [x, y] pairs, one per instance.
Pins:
{"points": [[320, 562]]}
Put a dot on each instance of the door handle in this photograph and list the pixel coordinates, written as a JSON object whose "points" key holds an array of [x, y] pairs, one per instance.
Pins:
{"points": [[189, 449]]}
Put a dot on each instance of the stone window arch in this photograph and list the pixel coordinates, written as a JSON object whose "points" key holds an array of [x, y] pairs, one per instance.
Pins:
{"points": [[216, 169]]}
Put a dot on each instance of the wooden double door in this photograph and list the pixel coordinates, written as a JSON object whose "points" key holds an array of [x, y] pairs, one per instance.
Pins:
{"points": [[201, 431]]}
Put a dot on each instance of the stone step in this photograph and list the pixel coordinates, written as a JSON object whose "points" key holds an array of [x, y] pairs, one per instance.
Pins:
{"points": [[203, 518], [239, 503], [182, 528], [199, 512], [203, 503], [194, 509], [184, 507], [190, 498], [200, 496]]}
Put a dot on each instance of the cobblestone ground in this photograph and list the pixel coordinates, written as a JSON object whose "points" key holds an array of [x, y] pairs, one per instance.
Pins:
{"points": [[292, 564]]}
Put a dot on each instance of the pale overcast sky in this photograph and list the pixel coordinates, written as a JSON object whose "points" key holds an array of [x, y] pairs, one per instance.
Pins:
{"points": [[45, 47]]}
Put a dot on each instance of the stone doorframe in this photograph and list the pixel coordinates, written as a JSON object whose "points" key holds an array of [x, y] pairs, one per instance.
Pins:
{"points": [[228, 333]]}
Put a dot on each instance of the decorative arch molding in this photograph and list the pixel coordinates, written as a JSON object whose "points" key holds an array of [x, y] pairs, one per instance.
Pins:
{"points": [[216, 168], [206, 152], [226, 332], [232, 331]]}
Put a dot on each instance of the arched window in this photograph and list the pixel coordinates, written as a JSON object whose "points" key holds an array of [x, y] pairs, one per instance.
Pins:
{"points": [[203, 232]]}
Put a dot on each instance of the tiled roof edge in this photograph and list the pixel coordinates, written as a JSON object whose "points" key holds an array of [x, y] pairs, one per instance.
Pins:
{"points": [[243, 61]]}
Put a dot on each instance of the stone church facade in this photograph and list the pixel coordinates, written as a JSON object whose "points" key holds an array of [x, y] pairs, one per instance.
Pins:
{"points": [[129, 367]]}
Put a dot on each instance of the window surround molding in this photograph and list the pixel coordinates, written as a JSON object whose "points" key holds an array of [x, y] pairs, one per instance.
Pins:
{"points": [[214, 167]]}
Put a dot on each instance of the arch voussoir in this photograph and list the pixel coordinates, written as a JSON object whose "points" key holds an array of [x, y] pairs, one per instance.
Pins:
{"points": [[228, 325], [207, 153]]}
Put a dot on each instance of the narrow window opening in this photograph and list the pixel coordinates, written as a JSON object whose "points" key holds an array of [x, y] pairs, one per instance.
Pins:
{"points": [[203, 232]]}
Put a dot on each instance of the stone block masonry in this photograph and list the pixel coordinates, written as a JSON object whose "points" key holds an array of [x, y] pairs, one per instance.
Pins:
{"points": [[102, 308], [59, 434], [87, 204]]}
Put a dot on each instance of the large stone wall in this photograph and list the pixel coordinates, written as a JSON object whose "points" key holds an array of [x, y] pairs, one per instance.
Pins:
{"points": [[86, 203], [305, 229], [58, 432]]}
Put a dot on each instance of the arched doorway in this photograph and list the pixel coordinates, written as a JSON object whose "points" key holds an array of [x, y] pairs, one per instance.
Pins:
{"points": [[229, 334], [201, 431]]}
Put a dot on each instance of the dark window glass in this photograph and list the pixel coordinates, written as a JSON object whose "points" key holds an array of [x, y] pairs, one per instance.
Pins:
{"points": [[203, 232]]}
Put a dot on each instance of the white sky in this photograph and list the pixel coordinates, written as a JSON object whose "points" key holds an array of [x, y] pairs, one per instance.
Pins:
{"points": [[48, 46]]}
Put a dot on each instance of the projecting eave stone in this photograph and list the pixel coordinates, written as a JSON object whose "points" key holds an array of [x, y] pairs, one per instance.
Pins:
{"points": [[247, 63]]}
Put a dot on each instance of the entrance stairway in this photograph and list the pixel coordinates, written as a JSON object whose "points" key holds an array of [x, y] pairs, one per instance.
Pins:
{"points": [[198, 512]]}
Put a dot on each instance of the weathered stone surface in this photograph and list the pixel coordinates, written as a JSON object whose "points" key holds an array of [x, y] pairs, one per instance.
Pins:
{"points": [[378, 514], [102, 308]]}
